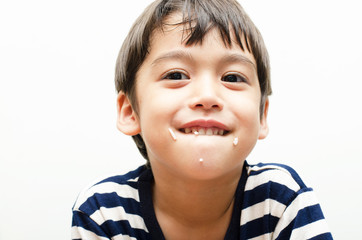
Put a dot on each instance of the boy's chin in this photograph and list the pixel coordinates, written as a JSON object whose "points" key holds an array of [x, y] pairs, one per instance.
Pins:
{"points": [[208, 169], [203, 168]]}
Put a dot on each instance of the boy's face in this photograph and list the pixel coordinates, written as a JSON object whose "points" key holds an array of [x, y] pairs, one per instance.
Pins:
{"points": [[205, 87]]}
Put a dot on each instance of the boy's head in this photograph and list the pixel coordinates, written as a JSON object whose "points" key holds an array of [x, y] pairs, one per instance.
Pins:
{"points": [[199, 17]]}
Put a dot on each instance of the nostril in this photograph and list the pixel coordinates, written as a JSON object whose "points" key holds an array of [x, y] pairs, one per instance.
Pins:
{"points": [[206, 106], [206, 103], [201, 105]]}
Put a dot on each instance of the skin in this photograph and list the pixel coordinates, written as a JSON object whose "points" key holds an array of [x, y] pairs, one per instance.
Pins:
{"points": [[176, 86]]}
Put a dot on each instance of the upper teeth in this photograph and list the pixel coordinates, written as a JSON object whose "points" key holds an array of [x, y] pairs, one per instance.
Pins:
{"points": [[204, 131]]}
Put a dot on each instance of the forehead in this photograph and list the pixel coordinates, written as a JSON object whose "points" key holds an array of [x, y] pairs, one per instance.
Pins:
{"points": [[173, 36]]}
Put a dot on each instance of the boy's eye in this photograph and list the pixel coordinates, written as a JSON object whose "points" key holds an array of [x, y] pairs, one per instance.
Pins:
{"points": [[176, 76], [233, 78]]}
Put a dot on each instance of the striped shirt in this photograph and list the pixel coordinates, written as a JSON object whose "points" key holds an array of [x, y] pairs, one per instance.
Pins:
{"points": [[271, 202]]}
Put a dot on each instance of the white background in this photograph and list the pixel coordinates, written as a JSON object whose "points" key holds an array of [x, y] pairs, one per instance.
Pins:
{"points": [[58, 112]]}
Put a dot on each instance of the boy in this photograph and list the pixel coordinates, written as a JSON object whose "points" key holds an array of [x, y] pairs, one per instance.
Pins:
{"points": [[193, 83]]}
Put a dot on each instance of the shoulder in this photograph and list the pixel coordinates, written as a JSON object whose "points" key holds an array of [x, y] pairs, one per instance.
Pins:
{"points": [[124, 185], [271, 184], [115, 193], [109, 208], [275, 196]]}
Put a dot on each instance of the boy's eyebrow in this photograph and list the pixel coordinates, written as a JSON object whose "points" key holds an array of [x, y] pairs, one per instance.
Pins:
{"points": [[178, 54], [232, 58]]}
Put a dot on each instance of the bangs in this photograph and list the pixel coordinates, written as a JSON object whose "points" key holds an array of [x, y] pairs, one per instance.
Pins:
{"points": [[199, 17]]}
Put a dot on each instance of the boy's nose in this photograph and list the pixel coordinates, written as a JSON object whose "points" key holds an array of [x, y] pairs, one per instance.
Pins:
{"points": [[206, 96]]}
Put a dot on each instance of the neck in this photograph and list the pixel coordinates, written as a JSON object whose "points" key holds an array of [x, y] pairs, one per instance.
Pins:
{"points": [[197, 205]]}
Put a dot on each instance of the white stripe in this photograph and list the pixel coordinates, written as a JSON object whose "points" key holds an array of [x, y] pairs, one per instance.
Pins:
{"points": [[123, 237], [258, 210], [133, 179], [81, 233], [122, 190], [303, 200], [310, 230], [279, 175], [266, 166], [116, 214]]}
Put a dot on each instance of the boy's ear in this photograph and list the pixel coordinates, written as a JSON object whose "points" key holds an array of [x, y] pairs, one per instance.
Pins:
{"points": [[127, 120], [264, 129]]}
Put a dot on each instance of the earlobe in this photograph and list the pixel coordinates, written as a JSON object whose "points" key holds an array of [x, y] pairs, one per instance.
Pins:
{"points": [[127, 120], [264, 128]]}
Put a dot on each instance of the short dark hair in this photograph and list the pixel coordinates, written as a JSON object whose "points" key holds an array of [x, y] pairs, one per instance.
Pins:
{"points": [[199, 17]]}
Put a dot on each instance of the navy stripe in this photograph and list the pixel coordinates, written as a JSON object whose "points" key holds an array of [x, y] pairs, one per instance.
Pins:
{"points": [[82, 220], [305, 216], [258, 227], [124, 179], [114, 228], [109, 200], [255, 173], [269, 190]]}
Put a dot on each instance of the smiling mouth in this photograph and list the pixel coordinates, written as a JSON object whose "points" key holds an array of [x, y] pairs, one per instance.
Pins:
{"points": [[204, 131]]}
